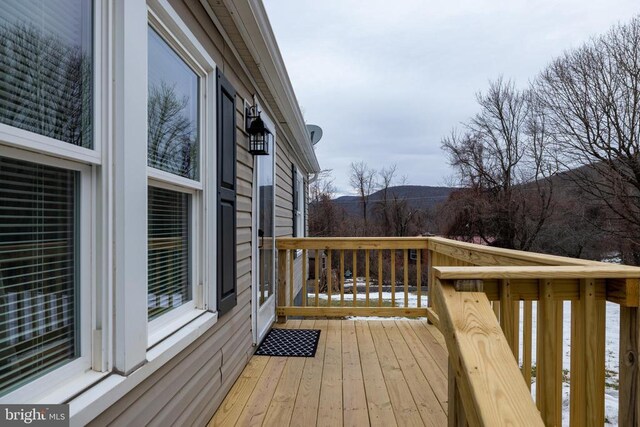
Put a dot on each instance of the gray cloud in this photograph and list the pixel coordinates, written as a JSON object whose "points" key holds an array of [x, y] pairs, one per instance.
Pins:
{"points": [[387, 80]]}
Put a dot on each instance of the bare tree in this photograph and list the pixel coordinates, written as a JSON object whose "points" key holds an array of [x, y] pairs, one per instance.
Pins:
{"points": [[326, 218], [591, 96], [322, 186], [382, 208], [172, 143], [46, 84], [363, 181], [501, 158]]}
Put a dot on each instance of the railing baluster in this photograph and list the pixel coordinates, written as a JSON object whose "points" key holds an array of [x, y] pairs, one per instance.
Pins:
{"points": [[341, 278], [291, 264], [527, 329], [355, 281], [380, 278], [419, 276], [629, 397], [304, 277], [329, 284], [507, 321], [317, 278], [430, 279], [406, 277], [577, 401], [393, 277], [516, 331], [366, 270]]}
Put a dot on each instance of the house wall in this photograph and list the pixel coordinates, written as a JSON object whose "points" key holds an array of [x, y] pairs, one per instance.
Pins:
{"points": [[188, 389]]}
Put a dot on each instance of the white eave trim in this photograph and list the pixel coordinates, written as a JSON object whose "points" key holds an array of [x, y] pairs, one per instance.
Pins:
{"points": [[252, 21]]}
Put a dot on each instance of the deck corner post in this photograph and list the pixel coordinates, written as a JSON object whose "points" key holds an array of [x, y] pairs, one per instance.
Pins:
{"points": [[456, 415], [282, 284], [430, 282]]}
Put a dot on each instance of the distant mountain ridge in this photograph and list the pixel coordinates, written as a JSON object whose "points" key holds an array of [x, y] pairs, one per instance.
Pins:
{"points": [[417, 196]]}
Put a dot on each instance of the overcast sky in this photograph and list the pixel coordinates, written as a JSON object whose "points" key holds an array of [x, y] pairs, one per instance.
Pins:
{"points": [[386, 80]]}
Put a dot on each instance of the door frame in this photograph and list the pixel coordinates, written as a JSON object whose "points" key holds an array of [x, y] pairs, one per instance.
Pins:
{"points": [[262, 317]]}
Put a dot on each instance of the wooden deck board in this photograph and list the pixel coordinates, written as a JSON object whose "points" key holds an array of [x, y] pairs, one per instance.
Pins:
{"points": [[305, 411], [330, 408], [404, 407], [354, 396], [365, 372], [378, 401], [425, 399]]}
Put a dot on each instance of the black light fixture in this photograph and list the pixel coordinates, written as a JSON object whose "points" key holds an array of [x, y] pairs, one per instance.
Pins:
{"points": [[259, 136]]}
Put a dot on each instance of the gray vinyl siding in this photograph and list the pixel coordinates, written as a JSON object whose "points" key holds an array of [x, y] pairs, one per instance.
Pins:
{"points": [[189, 388]]}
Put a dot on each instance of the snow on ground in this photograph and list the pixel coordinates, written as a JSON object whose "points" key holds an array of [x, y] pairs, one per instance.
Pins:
{"points": [[373, 298], [612, 341]]}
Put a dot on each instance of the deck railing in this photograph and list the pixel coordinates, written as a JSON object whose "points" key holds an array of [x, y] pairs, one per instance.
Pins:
{"points": [[492, 358], [388, 277], [516, 281]]}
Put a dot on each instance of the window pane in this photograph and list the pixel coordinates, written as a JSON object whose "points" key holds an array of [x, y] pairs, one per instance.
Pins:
{"points": [[38, 261], [169, 254], [173, 142], [46, 68]]}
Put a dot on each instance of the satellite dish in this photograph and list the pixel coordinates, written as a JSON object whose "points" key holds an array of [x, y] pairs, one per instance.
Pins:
{"points": [[315, 133]]}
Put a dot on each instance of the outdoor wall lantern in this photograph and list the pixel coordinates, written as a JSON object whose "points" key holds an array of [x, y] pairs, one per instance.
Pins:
{"points": [[259, 136]]}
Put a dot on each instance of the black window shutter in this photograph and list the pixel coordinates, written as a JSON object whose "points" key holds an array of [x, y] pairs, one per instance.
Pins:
{"points": [[226, 165], [294, 179]]}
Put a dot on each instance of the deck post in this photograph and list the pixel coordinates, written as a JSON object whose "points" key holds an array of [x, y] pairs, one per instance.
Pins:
{"points": [[587, 357], [430, 280], [455, 411], [282, 283], [549, 358]]}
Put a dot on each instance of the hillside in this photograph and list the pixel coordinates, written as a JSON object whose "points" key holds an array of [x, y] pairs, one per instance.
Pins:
{"points": [[417, 196]]}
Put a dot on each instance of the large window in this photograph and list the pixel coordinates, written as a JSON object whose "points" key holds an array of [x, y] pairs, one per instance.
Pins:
{"points": [[173, 149], [46, 62], [38, 270], [46, 253]]}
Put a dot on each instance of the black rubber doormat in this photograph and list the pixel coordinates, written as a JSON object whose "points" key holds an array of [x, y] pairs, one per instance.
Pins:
{"points": [[290, 343]]}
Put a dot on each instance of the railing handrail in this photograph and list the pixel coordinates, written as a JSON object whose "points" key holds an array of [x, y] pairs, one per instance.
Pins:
{"points": [[351, 243], [487, 379], [433, 243], [533, 258], [611, 271]]}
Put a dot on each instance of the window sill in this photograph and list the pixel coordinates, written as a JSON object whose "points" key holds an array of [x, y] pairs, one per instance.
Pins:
{"points": [[98, 397], [169, 323]]}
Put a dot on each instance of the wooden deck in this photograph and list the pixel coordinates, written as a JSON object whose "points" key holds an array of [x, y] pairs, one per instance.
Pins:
{"points": [[369, 372]]}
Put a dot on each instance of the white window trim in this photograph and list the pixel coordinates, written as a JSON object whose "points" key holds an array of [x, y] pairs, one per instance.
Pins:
{"points": [[173, 31], [20, 138], [300, 219], [299, 213]]}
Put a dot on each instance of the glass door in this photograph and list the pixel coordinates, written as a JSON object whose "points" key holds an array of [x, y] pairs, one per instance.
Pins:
{"points": [[264, 245]]}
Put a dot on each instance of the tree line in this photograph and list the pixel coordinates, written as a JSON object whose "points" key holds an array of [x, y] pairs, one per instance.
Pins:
{"points": [[552, 166], [389, 214]]}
